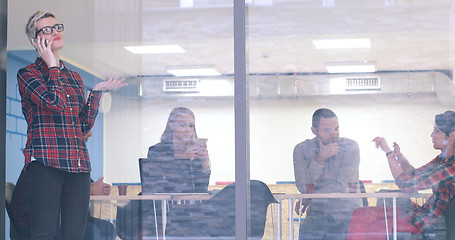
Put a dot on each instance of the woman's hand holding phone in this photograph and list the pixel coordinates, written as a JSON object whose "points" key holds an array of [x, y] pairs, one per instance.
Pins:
{"points": [[43, 47], [200, 151]]}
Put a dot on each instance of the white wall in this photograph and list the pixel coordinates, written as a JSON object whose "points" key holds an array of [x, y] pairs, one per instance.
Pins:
{"points": [[277, 125]]}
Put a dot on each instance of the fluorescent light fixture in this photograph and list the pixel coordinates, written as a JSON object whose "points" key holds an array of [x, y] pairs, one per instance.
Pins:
{"points": [[263, 2], [328, 3], [186, 3], [155, 49], [342, 43], [192, 72], [351, 68]]}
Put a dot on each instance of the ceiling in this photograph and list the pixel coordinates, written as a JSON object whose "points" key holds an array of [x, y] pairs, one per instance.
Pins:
{"points": [[406, 35]]}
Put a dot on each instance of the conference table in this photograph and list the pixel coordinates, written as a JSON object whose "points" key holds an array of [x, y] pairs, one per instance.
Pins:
{"points": [[386, 195], [163, 199], [115, 200]]}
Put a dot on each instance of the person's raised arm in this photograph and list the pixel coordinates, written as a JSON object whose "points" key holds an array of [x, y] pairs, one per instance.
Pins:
{"points": [[45, 91], [111, 84], [203, 154], [394, 165], [90, 108], [43, 47], [405, 165]]}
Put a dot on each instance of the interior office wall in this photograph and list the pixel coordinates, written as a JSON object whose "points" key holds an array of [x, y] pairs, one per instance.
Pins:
{"points": [[134, 124], [403, 113], [16, 127]]}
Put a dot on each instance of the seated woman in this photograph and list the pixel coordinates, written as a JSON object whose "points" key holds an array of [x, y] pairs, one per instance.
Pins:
{"points": [[438, 175], [216, 216], [211, 218], [179, 141]]}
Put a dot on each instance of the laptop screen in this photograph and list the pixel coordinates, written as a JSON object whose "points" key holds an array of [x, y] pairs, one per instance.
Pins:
{"points": [[166, 176]]}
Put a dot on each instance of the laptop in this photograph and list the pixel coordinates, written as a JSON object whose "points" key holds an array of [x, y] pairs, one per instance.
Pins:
{"points": [[166, 176]]}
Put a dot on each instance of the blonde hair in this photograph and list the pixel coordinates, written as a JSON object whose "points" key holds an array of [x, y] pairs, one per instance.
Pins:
{"points": [[175, 116], [30, 27]]}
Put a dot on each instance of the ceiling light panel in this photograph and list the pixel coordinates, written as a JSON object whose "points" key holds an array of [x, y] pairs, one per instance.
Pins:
{"points": [[342, 43], [155, 49], [186, 3]]}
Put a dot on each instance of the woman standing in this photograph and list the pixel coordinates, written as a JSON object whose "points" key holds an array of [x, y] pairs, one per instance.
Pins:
{"points": [[438, 175], [56, 157]]}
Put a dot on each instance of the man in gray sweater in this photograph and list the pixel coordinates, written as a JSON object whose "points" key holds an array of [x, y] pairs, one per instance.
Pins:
{"points": [[326, 164]]}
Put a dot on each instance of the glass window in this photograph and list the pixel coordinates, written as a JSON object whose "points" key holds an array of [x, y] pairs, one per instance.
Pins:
{"points": [[383, 67]]}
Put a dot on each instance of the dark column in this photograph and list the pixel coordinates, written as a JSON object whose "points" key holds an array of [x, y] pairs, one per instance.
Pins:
{"points": [[3, 24]]}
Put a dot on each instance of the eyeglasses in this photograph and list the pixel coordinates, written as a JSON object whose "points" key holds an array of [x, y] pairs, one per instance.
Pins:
{"points": [[49, 29]]}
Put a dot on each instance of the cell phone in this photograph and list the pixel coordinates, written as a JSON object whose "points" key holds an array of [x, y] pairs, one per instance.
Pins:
{"points": [[33, 40], [201, 141], [46, 42]]}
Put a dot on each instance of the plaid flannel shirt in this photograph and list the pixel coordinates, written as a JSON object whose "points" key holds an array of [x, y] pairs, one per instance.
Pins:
{"points": [[54, 106], [439, 175]]}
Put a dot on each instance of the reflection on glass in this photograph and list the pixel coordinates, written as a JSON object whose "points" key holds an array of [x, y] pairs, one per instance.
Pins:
{"points": [[409, 43], [408, 81]]}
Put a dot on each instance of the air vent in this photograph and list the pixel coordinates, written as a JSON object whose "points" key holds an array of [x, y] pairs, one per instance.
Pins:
{"points": [[184, 85], [362, 83]]}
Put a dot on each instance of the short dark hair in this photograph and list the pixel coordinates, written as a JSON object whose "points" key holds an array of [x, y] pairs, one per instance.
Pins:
{"points": [[322, 113], [446, 122]]}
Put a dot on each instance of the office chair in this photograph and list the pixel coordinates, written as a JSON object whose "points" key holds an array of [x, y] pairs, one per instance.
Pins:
{"points": [[215, 218], [362, 190], [449, 221], [14, 234]]}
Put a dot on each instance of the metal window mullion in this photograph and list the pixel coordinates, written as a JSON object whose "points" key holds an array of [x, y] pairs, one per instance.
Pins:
{"points": [[242, 164]]}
